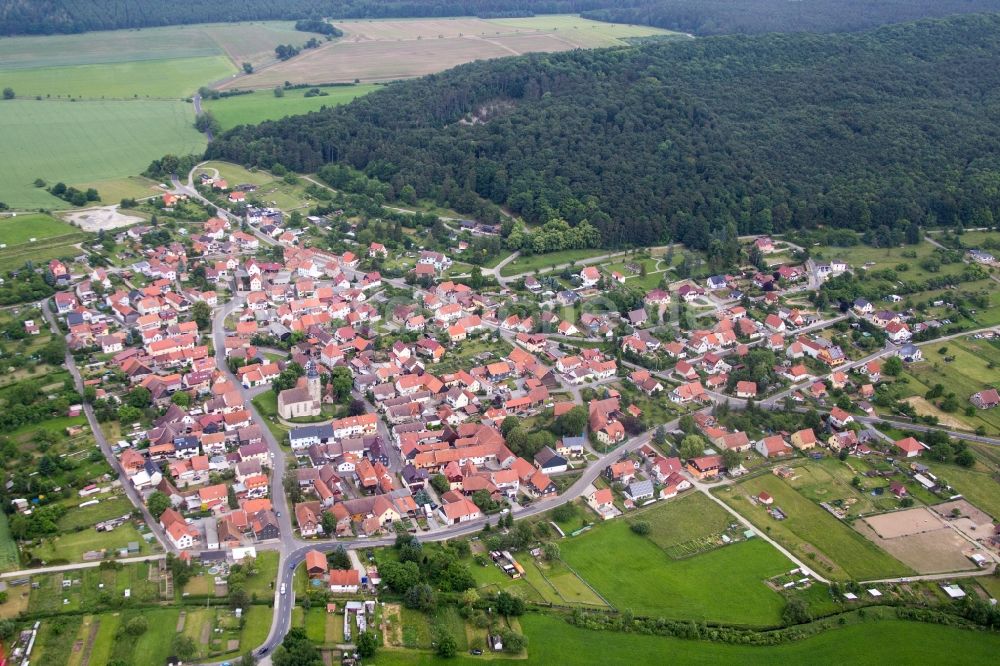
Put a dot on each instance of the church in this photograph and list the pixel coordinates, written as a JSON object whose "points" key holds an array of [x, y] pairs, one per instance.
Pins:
{"points": [[305, 399]]}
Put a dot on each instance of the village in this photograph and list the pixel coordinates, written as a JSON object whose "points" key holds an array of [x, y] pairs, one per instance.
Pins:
{"points": [[255, 392]]}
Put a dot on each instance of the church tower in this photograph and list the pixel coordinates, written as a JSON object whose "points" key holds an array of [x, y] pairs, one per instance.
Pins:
{"points": [[312, 382]]}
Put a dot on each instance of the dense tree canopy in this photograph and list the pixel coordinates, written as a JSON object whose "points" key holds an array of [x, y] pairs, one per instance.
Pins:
{"points": [[689, 141], [718, 17]]}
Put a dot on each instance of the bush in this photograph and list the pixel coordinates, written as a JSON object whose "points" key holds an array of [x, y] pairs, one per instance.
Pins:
{"points": [[641, 528]]}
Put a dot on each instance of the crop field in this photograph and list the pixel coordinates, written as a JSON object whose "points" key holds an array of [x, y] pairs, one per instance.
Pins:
{"points": [[815, 535], [253, 42], [114, 190], [383, 50], [631, 571], [967, 372], [78, 142], [160, 79], [263, 105]]}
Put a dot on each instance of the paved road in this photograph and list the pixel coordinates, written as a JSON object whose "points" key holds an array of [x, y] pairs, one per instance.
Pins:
{"points": [[102, 442]]}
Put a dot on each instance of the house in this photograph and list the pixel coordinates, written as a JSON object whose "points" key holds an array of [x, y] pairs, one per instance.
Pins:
{"points": [[898, 331], [316, 566], [746, 389], [640, 491], [765, 498], [839, 418], [910, 447], [716, 282], [764, 244], [549, 461], [987, 399], [704, 467], [344, 581], [603, 502], [685, 393], [459, 511], [620, 472], [803, 439], [910, 353], [862, 306], [589, 276], [774, 446]]}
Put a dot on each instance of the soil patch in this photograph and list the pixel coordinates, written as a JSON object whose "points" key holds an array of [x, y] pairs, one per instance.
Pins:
{"points": [[104, 217], [904, 523]]}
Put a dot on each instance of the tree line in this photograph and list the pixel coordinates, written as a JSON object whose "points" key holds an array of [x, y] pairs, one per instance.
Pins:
{"points": [[695, 142]]}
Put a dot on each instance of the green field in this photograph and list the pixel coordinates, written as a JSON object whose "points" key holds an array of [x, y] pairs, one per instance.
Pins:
{"points": [[108, 507], [543, 262], [582, 32], [72, 546], [553, 641], [22, 228], [678, 525], [77, 142], [159, 79], [822, 541], [632, 572], [262, 105], [979, 487], [8, 547], [966, 374]]}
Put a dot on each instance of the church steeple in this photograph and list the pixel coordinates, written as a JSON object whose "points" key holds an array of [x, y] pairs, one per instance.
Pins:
{"points": [[312, 381]]}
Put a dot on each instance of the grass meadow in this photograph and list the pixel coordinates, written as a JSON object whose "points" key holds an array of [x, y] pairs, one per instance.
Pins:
{"points": [[830, 546], [80, 142], [553, 641], [21, 229], [262, 105], [633, 572]]}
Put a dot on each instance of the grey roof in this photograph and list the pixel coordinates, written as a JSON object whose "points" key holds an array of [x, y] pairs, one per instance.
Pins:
{"points": [[640, 488]]}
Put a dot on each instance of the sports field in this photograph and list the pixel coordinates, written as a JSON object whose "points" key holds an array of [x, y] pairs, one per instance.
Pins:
{"points": [[383, 50], [79, 142], [631, 571], [263, 105], [821, 540]]}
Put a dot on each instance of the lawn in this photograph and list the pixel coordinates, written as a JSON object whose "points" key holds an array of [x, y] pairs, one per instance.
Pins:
{"points": [[815, 535], [55, 640], [109, 507], [174, 78], [632, 572], [267, 573], [100, 652], [155, 644], [257, 626], [553, 641], [262, 105], [678, 525], [543, 262], [72, 546], [83, 142], [8, 547], [557, 583]]}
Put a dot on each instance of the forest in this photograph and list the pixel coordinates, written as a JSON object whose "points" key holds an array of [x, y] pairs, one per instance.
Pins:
{"points": [[721, 17], [695, 141]]}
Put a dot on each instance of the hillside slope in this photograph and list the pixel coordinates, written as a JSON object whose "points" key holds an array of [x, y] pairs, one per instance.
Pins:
{"points": [[757, 134]]}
